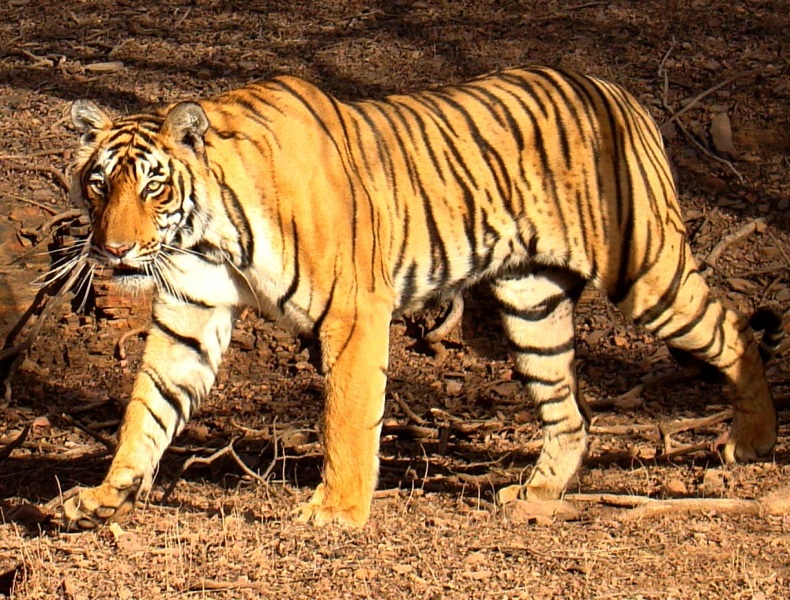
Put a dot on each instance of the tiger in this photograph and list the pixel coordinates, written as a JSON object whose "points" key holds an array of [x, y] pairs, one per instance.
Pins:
{"points": [[333, 217]]}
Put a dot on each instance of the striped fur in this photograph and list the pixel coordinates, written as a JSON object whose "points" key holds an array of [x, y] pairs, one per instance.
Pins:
{"points": [[330, 217]]}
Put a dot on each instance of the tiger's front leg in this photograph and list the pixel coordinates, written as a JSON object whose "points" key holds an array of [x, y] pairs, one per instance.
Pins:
{"points": [[355, 352], [183, 352]]}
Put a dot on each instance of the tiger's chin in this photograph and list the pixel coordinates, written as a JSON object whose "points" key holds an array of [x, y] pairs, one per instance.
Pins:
{"points": [[132, 281]]}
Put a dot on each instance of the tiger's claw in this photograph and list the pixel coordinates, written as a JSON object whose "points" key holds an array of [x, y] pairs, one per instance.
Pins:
{"points": [[88, 508]]}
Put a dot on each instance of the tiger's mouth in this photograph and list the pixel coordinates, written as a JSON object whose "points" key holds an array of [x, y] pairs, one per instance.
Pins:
{"points": [[127, 271], [124, 271]]}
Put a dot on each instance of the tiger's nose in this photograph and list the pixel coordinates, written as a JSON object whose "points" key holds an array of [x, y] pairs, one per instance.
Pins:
{"points": [[118, 250]]}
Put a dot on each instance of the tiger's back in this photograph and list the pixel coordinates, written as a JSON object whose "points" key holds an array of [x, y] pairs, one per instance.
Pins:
{"points": [[333, 216]]}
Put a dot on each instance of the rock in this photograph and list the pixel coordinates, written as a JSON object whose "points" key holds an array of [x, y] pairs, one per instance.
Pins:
{"points": [[675, 487], [714, 482]]}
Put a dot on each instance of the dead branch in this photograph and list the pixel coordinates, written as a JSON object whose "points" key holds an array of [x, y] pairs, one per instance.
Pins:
{"points": [[780, 248], [755, 225], [227, 449], [250, 472], [38, 154], [407, 409], [195, 460], [609, 499], [59, 176], [676, 116], [107, 442], [561, 13], [212, 585], [767, 271], [669, 429], [410, 431], [672, 427], [694, 101], [40, 205], [11, 356], [776, 503], [710, 154], [15, 443], [626, 399], [44, 229]]}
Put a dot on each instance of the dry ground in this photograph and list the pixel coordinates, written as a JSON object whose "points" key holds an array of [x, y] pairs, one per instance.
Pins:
{"points": [[436, 531]]}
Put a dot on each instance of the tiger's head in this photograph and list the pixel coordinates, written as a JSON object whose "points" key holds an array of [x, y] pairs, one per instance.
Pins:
{"points": [[139, 179]]}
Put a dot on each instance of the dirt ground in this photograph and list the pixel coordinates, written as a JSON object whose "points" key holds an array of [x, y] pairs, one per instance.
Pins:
{"points": [[457, 427]]}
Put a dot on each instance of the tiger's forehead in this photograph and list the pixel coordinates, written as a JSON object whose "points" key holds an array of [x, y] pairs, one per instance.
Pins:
{"points": [[131, 148]]}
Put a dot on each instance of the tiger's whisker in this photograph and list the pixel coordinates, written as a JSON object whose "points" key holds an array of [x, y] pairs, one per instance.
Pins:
{"points": [[246, 280]]}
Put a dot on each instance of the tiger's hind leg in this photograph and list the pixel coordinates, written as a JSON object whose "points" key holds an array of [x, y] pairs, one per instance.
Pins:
{"points": [[537, 313], [677, 305]]}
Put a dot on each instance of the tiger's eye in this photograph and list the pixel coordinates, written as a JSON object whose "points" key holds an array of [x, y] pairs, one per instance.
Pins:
{"points": [[97, 186], [152, 188]]}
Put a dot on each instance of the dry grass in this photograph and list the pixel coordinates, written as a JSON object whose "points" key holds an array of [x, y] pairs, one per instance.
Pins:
{"points": [[439, 535]]}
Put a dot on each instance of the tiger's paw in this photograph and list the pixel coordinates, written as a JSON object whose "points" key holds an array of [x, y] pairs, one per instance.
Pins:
{"points": [[87, 508], [746, 445], [751, 435], [528, 493], [321, 510]]}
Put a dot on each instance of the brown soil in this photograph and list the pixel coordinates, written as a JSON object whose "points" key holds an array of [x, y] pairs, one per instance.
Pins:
{"points": [[436, 531]]}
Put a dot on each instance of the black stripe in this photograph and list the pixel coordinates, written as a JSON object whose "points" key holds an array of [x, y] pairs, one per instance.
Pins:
{"points": [[545, 350], [185, 340], [409, 285], [157, 420], [294, 285], [536, 312], [667, 299], [530, 379], [238, 218], [167, 394]]}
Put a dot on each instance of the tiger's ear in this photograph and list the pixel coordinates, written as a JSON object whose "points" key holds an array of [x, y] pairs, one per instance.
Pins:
{"points": [[88, 119], [186, 124]]}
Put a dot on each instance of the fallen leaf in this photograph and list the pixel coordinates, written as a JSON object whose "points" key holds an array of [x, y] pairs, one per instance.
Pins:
{"points": [[475, 559], [127, 542], [741, 285], [402, 569], [721, 134], [365, 573], [511, 388], [478, 575], [104, 67]]}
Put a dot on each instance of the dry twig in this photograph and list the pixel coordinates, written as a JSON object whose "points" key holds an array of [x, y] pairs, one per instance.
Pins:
{"points": [[736, 236], [106, 441], [407, 409], [11, 355], [45, 228], [59, 176], [15, 443], [710, 154], [228, 449], [775, 503], [37, 154], [694, 101]]}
